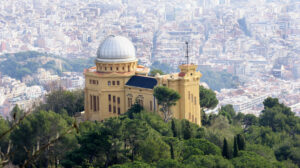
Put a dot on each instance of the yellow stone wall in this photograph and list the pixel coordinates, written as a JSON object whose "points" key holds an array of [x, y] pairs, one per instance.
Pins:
{"points": [[97, 84]]}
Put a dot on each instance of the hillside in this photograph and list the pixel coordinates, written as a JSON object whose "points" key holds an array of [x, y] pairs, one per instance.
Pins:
{"points": [[21, 64]]}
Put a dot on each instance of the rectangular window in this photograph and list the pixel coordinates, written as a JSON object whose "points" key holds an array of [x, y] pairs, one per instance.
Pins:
{"points": [[189, 115], [196, 120], [90, 81], [119, 100], [119, 110], [109, 97], [114, 99], [97, 82], [108, 83], [192, 98], [114, 109], [118, 82], [91, 102], [189, 95], [150, 105], [114, 82], [97, 103], [192, 118], [109, 108], [94, 103]]}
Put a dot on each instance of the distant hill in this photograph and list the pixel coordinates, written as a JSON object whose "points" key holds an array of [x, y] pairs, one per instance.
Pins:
{"points": [[18, 65], [218, 80]]}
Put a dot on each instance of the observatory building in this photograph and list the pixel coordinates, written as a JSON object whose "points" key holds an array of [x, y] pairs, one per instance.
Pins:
{"points": [[117, 82]]}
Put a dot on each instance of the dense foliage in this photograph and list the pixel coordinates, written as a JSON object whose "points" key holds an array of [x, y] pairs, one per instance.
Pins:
{"points": [[208, 99], [142, 139]]}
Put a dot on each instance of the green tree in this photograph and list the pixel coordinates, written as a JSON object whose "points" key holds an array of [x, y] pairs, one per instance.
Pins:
{"points": [[235, 147], [250, 159], [225, 151], [166, 98], [16, 113], [203, 145], [135, 164], [208, 99], [153, 72], [227, 111], [60, 100], [279, 117], [36, 131], [241, 142], [173, 127], [250, 119], [207, 161], [187, 132], [134, 109], [263, 151], [4, 141], [169, 163]]}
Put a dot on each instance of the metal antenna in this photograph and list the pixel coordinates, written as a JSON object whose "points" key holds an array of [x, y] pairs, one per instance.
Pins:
{"points": [[187, 52]]}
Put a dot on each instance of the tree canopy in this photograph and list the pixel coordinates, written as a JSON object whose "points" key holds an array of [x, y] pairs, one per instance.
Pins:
{"points": [[208, 99], [166, 98], [143, 139]]}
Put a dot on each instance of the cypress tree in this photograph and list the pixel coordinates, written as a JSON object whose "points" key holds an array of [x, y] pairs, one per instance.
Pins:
{"points": [[187, 134], [225, 151], [173, 127], [241, 142], [172, 151], [235, 147]]}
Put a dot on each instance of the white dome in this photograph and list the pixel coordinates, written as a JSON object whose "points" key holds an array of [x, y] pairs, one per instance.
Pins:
{"points": [[116, 49]]}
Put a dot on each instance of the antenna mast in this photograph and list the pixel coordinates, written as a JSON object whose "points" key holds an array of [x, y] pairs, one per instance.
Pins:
{"points": [[187, 52]]}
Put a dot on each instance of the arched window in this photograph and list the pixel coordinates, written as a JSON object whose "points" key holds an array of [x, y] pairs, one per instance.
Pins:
{"points": [[129, 99], [140, 100]]}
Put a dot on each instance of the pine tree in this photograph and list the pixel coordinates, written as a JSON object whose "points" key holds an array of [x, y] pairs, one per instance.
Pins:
{"points": [[235, 147], [174, 128], [225, 151], [187, 134], [241, 142]]}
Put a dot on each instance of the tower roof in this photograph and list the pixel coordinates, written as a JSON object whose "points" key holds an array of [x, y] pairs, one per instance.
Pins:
{"points": [[116, 49]]}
